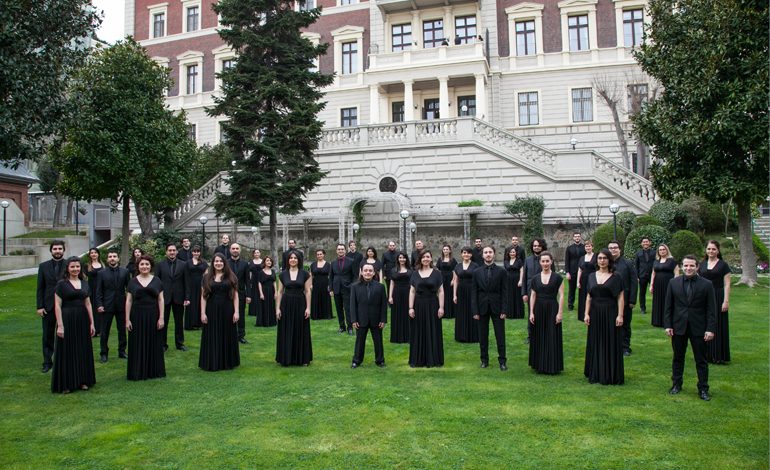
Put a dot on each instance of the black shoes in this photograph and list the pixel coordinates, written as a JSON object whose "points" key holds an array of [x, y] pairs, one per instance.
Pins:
{"points": [[341, 330], [103, 358], [643, 311], [503, 367], [381, 365], [182, 348], [704, 395], [46, 368], [626, 352], [165, 348], [350, 331], [526, 341], [123, 355], [354, 365], [484, 364], [243, 341], [675, 389], [571, 308]]}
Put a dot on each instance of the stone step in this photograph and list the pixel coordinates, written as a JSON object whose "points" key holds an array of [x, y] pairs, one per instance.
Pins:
{"points": [[762, 229]]}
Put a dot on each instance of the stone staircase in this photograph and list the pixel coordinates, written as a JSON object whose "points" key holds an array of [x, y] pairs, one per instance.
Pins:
{"points": [[762, 229], [199, 201]]}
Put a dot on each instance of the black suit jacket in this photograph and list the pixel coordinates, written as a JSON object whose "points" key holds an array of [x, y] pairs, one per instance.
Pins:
{"points": [[241, 270], [184, 255], [340, 279], [644, 268], [111, 285], [520, 253], [174, 285], [625, 270], [368, 309], [48, 275], [531, 269], [389, 261], [477, 256], [699, 310], [489, 298], [572, 257], [224, 249], [357, 257]]}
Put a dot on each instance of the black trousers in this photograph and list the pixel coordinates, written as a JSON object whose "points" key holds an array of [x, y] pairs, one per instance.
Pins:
{"points": [[242, 314], [342, 302], [178, 323], [499, 326], [572, 287], [699, 350], [627, 316], [49, 337], [379, 351], [120, 320], [644, 284]]}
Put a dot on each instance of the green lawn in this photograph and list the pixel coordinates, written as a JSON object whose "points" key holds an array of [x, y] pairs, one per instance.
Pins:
{"points": [[329, 416]]}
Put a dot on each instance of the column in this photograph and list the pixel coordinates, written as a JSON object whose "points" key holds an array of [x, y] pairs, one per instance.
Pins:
{"points": [[443, 97], [408, 101], [481, 96], [416, 30], [374, 104]]}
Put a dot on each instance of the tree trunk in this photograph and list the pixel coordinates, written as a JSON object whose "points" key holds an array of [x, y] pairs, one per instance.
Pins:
{"points": [[620, 133], [145, 221], [126, 230], [68, 217], [748, 258], [273, 234], [57, 211], [168, 217]]}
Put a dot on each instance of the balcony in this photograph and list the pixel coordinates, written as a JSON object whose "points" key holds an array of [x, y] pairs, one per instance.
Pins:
{"points": [[453, 54], [391, 6]]}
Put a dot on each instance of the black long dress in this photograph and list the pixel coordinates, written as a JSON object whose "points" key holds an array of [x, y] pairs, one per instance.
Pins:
{"points": [[719, 347], [145, 342], [73, 359], [546, 354], [466, 328], [254, 269], [447, 268], [266, 312], [515, 302], [219, 338], [294, 345], [426, 345], [377, 268], [399, 311], [604, 346], [320, 300], [586, 269], [93, 275], [664, 272], [192, 313]]}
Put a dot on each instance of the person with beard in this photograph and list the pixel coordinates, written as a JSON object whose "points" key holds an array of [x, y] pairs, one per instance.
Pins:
{"points": [[489, 301], [571, 260], [111, 285], [625, 270], [368, 312], [48, 275], [224, 248], [184, 252], [477, 255], [292, 247], [240, 268], [531, 269], [643, 261], [419, 247], [340, 278], [389, 261], [171, 273]]}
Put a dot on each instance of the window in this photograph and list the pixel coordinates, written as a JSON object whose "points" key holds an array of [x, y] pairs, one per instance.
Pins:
{"points": [[637, 97], [305, 5], [431, 109], [528, 109], [633, 24], [466, 106], [388, 185], [582, 105], [222, 133], [158, 25], [348, 2], [192, 79], [227, 64], [349, 117], [578, 33], [193, 18], [525, 37], [349, 57], [397, 111], [192, 132], [402, 37], [465, 29], [432, 33]]}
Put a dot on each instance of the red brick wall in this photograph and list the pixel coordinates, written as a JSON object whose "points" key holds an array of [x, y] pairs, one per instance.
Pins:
{"points": [[18, 194], [174, 18], [326, 24], [172, 49]]}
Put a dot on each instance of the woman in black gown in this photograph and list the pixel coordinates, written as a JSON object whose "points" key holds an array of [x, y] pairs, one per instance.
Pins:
{"points": [[194, 269], [144, 322], [514, 268], [466, 328], [586, 266], [219, 316], [93, 267], [446, 266], [371, 258], [664, 269], [718, 272], [320, 300], [294, 345], [604, 317], [255, 267], [546, 304], [266, 285], [73, 359], [134, 261], [426, 307], [399, 300]]}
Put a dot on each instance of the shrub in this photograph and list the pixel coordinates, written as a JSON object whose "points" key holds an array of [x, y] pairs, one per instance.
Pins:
{"points": [[626, 220], [644, 220], [685, 242], [655, 233], [604, 235], [702, 215], [760, 249], [529, 211], [471, 203], [670, 214]]}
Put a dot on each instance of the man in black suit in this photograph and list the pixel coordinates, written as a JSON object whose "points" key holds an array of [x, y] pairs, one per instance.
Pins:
{"points": [[241, 270], [110, 300], [368, 311], [389, 261], [477, 254], [690, 313], [184, 252], [625, 270], [571, 260], [520, 253], [355, 256], [419, 247], [171, 273], [48, 275], [531, 269], [292, 248], [224, 248], [645, 258], [489, 300], [340, 278]]}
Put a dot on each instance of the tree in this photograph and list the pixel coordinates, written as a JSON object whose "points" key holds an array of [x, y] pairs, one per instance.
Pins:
{"points": [[123, 143], [271, 97], [708, 128], [41, 44]]}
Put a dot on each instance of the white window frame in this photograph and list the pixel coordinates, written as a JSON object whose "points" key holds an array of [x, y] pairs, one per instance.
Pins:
{"points": [[154, 10], [186, 4], [183, 61], [343, 3], [358, 115], [298, 2], [221, 54], [569, 8], [572, 108], [315, 39], [524, 12], [539, 108], [163, 62], [194, 129], [624, 5], [348, 33]]}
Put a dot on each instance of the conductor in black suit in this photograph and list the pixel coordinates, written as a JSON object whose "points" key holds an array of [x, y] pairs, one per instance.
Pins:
{"points": [[241, 270], [185, 252], [171, 273], [389, 261], [477, 254], [627, 273], [690, 314], [643, 262], [489, 300], [48, 275], [224, 248], [571, 259], [110, 300], [343, 270], [368, 312]]}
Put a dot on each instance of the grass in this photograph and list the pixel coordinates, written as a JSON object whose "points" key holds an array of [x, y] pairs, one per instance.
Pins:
{"points": [[329, 416]]}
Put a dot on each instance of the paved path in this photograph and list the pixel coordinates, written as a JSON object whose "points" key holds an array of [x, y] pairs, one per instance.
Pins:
{"points": [[17, 273]]}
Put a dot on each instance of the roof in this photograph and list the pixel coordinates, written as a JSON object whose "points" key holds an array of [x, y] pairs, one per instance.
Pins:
{"points": [[20, 174]]}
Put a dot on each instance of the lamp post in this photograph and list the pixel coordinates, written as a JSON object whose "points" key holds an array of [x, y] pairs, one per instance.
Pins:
{"points": [[404, 214], [255, 232], [412, 228], [355, 228], [5, 205], [573, 142], [203, 220], [614, 208], [77, 219]]}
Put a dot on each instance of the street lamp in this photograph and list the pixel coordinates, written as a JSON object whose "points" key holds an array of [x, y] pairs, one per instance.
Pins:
{"points": [[5, 205], [355, 227], [255, 232], [573, 142], [203, 220], [404, 215], [614, 208]]}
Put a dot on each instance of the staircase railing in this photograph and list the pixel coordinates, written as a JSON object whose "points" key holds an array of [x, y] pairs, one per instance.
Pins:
{"points": [[198, 200]]}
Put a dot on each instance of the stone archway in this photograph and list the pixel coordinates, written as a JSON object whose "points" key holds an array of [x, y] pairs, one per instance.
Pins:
{"points": [[346, 212]]}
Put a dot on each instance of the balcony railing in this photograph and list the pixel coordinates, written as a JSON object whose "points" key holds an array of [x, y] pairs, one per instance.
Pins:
{"points": [[415, 57]]}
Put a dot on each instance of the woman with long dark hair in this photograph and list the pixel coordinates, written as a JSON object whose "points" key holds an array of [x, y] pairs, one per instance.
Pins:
{"points": [[399, 299], [144, 323], [426, 308], [514, 268], [294, 345], [93, 266], [718, 272], [371, 258], [466, 328], [194, 269], [586, 266], [219, 317], [320, 300], [267, 295], [133, 262], [546, 304], [446, 266], [255, 268]]}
